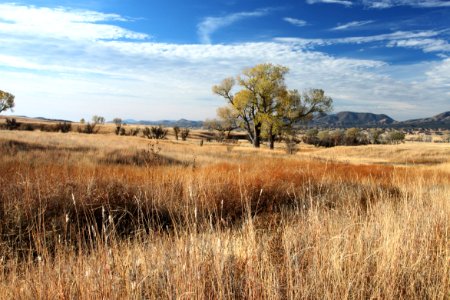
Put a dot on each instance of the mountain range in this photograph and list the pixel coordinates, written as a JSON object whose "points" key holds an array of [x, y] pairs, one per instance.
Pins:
{"points": [[166, 123], [355, 119], [348, 118], [341, 119]]}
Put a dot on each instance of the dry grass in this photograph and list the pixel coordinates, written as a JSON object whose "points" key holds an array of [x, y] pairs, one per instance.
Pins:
{"points": [[106, 217], [411, 153]]}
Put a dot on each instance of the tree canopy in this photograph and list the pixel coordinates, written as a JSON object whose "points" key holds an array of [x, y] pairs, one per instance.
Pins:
{"points": [[264, 106], [6, 101]]}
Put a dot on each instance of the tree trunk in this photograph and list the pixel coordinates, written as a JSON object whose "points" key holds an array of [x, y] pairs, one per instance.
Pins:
{"points": [[256, 142], [257, 135], [271, 138], [271, 141]]}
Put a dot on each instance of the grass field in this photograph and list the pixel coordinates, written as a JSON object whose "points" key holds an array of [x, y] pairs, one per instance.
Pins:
{"points": [[112, 217]]}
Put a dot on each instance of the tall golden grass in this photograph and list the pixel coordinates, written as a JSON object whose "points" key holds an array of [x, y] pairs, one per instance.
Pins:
{"points": [[105, 217]]}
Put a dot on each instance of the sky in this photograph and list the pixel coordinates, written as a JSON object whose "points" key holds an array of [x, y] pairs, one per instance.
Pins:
{"points": [[154, 60]]}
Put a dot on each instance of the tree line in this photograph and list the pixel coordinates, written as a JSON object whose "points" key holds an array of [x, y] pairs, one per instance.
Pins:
{"points": [[352, 137]]}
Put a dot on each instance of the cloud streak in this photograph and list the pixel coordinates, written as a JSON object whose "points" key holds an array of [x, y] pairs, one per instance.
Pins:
{"points": [[383, 4], [296, 22], [209, 25], [427, 41], [352, 25], [342, 2]]}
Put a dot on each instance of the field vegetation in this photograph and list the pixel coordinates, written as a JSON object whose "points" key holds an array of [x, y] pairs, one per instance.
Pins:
{"points": [[108, 217]]}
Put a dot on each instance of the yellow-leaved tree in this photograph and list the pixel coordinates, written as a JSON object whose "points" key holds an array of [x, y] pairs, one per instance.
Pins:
{"points": [[264, 107]]}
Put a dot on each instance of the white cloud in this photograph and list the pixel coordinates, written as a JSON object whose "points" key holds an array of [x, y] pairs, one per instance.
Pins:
{"points": [[211, 24], [424, 40], [439, 75], [296, 22], [414, 3], [65, 77], [427, 45], [351, 25], [61, 23], [342, 2], [381, 4]]}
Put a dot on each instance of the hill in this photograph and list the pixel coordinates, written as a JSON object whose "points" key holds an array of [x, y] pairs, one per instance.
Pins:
{"points": [[441, 120], [349, 119], [167, 123]]}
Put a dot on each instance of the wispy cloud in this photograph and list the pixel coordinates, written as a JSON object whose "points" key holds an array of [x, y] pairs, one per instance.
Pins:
{"points": [[296, 22], [414, 3], [427, 40], [211, 24], [427, 45], [342, 2], [352, 25], [381, 4]]}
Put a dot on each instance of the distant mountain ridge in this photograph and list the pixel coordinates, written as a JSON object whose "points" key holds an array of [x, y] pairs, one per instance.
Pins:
{"points": [[348, 118], [342, 119], [442, 119], [167, 123]]}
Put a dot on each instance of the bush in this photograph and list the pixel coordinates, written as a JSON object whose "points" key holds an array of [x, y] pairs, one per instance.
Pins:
{"points": [[133, 131], [157, 133], [26, 127], [291, 142], [395, 137], [12, 124], [184, 134], [88, 128], [310, 137], [64, 127], [176, 131]]}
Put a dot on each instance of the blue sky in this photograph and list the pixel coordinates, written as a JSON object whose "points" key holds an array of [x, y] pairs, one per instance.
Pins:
{"points": [[158, 59]]}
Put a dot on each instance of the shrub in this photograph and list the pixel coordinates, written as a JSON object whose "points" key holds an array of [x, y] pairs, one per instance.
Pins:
{"points": [[291, 142], [374, 136], [12, 124], [26, 127], [395, 137], [310, 137], [88, 128], [176, 131], [184, 134], [64, 127], [446, 138], [133, 131], [156, 133]]}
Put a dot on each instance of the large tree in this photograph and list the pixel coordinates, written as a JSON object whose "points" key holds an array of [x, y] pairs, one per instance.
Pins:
{"points": [[264, 107], [6, 101]]}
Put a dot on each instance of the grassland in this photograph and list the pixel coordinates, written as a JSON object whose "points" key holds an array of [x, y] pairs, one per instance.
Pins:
{"points": [[109, 217]]}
